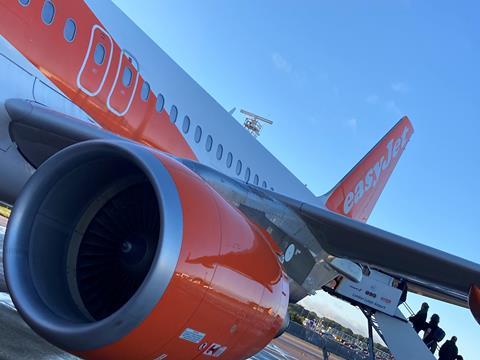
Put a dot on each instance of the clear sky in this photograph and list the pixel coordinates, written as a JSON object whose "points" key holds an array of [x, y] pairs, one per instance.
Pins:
{"points": [[335, 76]]}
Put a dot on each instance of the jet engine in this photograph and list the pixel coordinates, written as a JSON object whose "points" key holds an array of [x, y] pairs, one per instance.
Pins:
{"points": [[114, 251]]}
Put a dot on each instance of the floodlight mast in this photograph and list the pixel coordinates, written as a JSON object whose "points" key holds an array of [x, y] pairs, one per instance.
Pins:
{"points": [[253, 122]]}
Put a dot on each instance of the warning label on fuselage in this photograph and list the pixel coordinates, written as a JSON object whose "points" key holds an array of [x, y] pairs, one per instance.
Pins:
{"points": [[191, 335]]}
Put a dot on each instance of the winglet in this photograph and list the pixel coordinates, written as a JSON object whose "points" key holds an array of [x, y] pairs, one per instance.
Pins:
{"points": [[474, 302], [357, 193]]}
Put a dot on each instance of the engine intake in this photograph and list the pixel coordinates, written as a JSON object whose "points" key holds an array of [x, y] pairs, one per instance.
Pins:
{"points": [[116, 251], [89, 231]]}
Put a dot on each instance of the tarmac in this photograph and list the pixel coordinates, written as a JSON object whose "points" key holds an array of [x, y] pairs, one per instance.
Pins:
{"points": [[288, 347], [18, 341]]}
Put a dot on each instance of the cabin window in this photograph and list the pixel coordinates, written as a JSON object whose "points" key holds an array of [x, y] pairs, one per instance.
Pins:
{"points": [[229, 160], [69, 30], [99, 54], [209, 143], [247, 175], [264, 184], [219, 152], [24, 2], [198, 134], [145, 91], [255, 180], [173, 114], [160, 103], [48, 12], [238, 170], [186, 124], [127, 77]]}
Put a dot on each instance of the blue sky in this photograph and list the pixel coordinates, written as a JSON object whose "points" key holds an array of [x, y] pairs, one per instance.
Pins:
{"points": [[334, 77]]}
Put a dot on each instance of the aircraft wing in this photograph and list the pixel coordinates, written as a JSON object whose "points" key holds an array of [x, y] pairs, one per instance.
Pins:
{"points": [[40, 132], [428, 271]]}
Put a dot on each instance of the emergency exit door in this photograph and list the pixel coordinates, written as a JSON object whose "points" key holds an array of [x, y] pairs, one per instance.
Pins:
{"points": [[96, 63], [125, 85]]}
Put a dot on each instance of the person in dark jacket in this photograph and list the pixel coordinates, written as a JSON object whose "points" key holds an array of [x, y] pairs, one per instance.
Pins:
{"points": [[419, 320], [449, 350], [433, 334]]}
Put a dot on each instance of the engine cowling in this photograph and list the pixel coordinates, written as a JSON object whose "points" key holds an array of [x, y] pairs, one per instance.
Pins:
{"points": [[114, 251]]}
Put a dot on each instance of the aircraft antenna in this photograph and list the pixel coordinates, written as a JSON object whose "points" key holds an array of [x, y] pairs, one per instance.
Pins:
{"points": [[253, 122]]}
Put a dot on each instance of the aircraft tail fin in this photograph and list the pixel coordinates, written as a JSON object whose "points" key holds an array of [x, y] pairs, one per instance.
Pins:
{"points": [[357, 193]]}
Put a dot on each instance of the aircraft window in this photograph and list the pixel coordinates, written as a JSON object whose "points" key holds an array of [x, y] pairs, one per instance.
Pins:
{"points": [[238, 170], [145, 91], [219, 152], [127, 77], [229, 160], [247, 175], [69, 30], [198, 134], [160, 103], [264, 184], [186, 124], [255, 179], [24, 2], [173, 114], [48, 12], [99, 54], [209, 143]]}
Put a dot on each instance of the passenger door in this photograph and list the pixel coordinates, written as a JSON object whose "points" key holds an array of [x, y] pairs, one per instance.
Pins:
{"points": [[125, 85], [97, 61]]}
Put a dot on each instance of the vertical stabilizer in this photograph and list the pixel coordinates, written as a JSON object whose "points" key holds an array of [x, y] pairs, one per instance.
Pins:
{"points": [[357, 193]]}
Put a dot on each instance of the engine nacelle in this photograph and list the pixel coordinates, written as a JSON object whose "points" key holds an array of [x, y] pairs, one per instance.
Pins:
{"points": [[117, 252]]}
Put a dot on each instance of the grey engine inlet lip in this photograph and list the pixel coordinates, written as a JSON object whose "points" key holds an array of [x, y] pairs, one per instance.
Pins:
{"points": [[75, 332]]}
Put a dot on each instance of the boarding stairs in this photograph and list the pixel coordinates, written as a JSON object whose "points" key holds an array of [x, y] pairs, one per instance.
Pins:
{"points": [[402, 341]]}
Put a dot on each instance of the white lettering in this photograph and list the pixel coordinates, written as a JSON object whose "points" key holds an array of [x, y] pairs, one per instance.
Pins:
{"points": [[377, 169], [389, 155], [359, 191], [404, 136], [348, 203], [396, 147], [372, 177], [369, 180]]}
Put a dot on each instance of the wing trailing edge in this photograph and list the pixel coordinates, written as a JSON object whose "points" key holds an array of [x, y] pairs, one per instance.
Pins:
{"points": [[428, 271]]}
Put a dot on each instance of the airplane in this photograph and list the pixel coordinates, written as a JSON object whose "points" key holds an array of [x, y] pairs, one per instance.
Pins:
{"points": [[148, 223]]}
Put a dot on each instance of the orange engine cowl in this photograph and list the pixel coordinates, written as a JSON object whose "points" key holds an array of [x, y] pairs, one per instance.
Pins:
{"points": [[116, 252], [474, 301]]}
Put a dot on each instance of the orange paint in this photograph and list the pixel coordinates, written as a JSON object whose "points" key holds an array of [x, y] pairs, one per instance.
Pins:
{"points": [[474, 302], [93, 73], [356, 195], [228, 284], [61, 61]]}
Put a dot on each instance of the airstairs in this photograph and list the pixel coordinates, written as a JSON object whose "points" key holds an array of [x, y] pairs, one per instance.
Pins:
{"points": [[402, 341], [378, 296]]}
